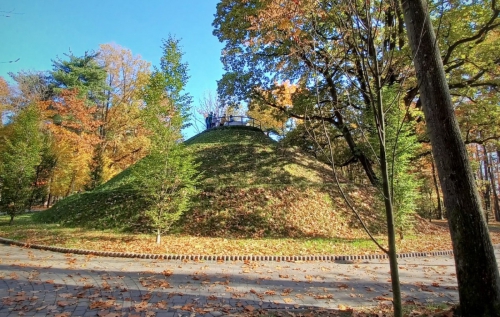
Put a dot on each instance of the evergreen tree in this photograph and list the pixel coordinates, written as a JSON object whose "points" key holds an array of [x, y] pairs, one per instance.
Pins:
{"points": [[88, 78], [82, 73]]}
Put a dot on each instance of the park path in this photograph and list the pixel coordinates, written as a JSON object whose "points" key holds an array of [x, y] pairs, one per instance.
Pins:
{"points": [[42, 283]]}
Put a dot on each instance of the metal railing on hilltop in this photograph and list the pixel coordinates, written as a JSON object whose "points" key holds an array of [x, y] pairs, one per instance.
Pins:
{"points": [[225, 121]]}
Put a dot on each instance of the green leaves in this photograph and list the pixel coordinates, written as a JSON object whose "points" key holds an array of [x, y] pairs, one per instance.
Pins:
{"points": [[167, 177], [175, 74], [19, 158], [82, 73]]}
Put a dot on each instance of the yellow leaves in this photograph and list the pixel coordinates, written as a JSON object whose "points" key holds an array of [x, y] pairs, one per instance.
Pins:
{"points": [[126, 73], [284, 24], [281, 95], [73, 126], [344, 308], [4, 93], [80, 128]]}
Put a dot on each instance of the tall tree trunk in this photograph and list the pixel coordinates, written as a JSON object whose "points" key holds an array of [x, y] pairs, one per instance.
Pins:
{"points": [[33, 188], [438, 194], [477, 270], [49, 186], [496, 204], [487, 184], [71, 184], [389, 210], [49, 198]]}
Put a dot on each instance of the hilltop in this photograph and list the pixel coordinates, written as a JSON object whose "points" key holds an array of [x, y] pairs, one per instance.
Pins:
{"points": [[250, 187]]}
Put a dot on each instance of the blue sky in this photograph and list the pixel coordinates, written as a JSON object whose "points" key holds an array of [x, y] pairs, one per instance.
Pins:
{"points": [[38, 31]]}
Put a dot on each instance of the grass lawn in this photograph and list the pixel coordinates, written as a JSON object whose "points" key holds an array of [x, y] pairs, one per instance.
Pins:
{"points": [[24, 229], [256, 198]]}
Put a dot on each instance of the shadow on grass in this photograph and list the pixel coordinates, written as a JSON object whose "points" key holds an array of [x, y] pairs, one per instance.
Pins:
{"points": [[493, 226], [250, 188], [74, 237]]}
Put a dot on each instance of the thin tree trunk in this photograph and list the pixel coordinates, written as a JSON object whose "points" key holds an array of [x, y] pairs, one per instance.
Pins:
{"points": [[49, 186], [35, 182], [49, 197], [386, 186], [431, 211], [487, 185], [158, 236], [438, 194], [496, 204], [71, 184], [477, 270]]}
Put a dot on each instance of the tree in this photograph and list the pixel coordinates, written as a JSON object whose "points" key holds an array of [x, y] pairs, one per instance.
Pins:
{"points": [[4, 95], [473, 250], [344, 59], [82, 73], [209, 103], [167, 176], [32, 86], [123, 137], [73, 127], [268, 42], [176, 76], [85, 76], [19, 159], [270, 118]]}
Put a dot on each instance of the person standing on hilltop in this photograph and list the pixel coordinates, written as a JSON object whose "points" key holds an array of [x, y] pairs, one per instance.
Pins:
{"points": [[205, 115], [208, 120], [214, 120]]}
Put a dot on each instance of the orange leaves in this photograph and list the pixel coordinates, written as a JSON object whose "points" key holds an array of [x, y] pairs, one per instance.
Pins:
{"points": [[183, 244], [4, 87], [72, 117], [4, 93], [74, 130], [286, 16], [63, 303], [249, 308]]}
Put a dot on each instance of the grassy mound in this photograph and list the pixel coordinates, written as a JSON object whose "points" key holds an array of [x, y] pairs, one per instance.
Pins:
{"points": [[250, 187]]}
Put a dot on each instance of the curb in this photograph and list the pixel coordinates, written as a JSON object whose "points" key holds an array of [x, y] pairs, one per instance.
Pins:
{"points": [[269, 258]]}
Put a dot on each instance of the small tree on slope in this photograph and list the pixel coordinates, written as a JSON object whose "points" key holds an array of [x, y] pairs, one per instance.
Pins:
{"points": [[167, 176]]}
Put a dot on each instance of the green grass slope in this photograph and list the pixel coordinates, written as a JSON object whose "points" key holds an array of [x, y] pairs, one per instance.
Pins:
{"points": [[250, 187]]}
